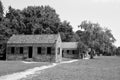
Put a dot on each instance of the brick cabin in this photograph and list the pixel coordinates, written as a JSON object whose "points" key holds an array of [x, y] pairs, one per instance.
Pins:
{"points": [[45, 47]]}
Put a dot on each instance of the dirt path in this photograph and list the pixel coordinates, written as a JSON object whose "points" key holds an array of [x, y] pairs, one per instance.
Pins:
{"points": [[24, 74]]}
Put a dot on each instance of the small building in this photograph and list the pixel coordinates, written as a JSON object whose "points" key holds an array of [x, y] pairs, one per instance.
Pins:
{"points": [[69, 49], [37, 47]]}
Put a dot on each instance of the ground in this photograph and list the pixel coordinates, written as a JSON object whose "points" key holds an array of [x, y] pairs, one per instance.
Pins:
{"points": [[101, 68], [9, 67]]}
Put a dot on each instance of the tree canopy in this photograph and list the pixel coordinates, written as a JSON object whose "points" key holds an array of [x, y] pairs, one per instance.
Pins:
{"points": [[38, 20], [96, 37]]}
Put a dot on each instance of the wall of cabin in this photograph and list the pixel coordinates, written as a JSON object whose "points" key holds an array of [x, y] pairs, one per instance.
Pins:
{"points": [[69, 53], [58, 49], [43, 56]]}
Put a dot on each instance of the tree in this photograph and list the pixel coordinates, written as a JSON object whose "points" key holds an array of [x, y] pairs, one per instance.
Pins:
{"points": [[4, 31], [15, 21], [1, 21], [38, 20], [96, 37], [66, 31], [1, 11], [44, 17], [82, 48], [118, 51]]}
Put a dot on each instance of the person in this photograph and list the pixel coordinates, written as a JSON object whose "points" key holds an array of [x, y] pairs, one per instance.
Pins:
{"points": [[86, 55], [92, 54], [81, 55]]}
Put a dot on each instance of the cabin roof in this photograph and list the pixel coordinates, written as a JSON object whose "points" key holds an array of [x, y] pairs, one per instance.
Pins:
{"points": [[44, 38], [69, 45]]}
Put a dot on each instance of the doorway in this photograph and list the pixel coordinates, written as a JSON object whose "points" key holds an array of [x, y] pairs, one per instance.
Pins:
{"points": [[49, 50], [30, 52], [21, 50], [39, 50]]}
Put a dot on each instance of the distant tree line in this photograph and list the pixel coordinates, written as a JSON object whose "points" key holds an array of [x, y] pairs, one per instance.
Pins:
{"points": [[45, 20]]}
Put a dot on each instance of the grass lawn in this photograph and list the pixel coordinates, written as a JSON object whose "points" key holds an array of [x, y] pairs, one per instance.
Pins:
{"points": [[101, 68], [8, 67]]}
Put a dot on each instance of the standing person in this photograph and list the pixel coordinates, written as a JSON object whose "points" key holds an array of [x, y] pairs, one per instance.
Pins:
{"points": [[92, 54], [87, 54], [84, 55], [81, 55]]}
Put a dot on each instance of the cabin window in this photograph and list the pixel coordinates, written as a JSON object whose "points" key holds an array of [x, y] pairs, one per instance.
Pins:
{"points": [[73, 51], [12, 50], [21, 50], [49, 50], [0, 46], [67, 51], [39, 50]]}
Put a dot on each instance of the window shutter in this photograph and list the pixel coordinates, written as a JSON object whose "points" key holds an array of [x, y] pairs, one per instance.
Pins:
{"points": [[43, 50], [53, 50]]}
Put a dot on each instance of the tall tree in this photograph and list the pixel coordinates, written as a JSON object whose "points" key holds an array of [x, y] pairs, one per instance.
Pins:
{"points": [[15, 19], [66, 31], [1, 21], [1, 11], [93, 35], [3, 30], [43, 18]]}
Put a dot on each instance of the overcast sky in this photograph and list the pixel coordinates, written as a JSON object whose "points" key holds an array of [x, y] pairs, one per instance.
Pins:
{"points": [[105, 12]]}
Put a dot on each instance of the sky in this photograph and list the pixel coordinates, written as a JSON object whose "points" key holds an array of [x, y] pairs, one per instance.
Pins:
{"points": [[104, 12]]}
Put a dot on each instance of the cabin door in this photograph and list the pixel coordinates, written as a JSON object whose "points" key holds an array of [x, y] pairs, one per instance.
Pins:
{"points": [[30, 52]]}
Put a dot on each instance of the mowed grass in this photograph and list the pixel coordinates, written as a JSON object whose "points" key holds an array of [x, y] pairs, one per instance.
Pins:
{"points": [[101, 68], [9, 67]]}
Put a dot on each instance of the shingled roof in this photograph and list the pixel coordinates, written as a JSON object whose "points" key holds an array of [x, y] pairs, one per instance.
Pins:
{"points": [[44, 38]]}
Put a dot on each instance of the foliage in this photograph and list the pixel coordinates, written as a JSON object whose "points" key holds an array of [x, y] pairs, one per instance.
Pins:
{"points": [[38, 20], [1, 11], [118, 51], [43, 18], [66, 31], [96, 37], [82, 47], [3, 30]]}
